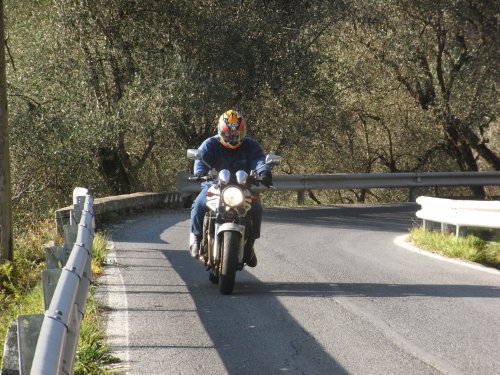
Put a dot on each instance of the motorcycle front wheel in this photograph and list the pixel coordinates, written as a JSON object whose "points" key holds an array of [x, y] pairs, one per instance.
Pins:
{"points": [[229, 265]]}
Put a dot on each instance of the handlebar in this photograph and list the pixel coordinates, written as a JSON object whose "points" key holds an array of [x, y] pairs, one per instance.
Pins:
{"points": [[201, 178], [252, 180]]}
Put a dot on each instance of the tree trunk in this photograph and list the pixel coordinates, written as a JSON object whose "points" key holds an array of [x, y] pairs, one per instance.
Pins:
{"points": [[480, 147], [461, 151], [113, 171], [6, 241]]}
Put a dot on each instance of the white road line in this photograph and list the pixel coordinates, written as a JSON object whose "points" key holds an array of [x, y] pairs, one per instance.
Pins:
{"points": [[117, 326]]}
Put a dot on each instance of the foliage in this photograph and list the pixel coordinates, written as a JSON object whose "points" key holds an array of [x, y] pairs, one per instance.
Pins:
{"points": [[93, 355], [21, 288], [46, 157], [471, 247], [99, 253], [443, 59], [23, 273], [108, 95], [30, 302]]}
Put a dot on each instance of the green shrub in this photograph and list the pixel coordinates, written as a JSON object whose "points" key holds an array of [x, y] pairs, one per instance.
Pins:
{"points": [[92, 354], [484, 249], [21, 293]]}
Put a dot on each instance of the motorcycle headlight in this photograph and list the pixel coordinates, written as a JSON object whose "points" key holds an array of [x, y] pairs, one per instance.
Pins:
{"points": [[233, 196]]}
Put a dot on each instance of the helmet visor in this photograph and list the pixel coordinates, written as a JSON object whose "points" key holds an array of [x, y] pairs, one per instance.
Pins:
{"points": [[233, 137]]}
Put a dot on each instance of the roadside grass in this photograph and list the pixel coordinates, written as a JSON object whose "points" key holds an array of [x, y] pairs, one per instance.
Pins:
{"points": [[99, 254], [21, 293], [93, 356], [20, 281], [478, 245]]}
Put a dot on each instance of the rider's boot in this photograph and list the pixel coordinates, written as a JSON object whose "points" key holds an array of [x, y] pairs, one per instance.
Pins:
{"points": [[250, 257], [253, 260], [194, 245]]}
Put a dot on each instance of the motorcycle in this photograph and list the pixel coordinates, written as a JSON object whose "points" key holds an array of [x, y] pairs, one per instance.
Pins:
{"points": [[225, 243]]}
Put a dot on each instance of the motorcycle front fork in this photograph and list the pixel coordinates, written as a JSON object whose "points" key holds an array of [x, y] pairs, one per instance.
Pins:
{"points": [[247, 246]]}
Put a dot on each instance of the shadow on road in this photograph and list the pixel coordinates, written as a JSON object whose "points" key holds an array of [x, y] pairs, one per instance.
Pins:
{"points": [[252, 336], [371, 290], [391, 218]]}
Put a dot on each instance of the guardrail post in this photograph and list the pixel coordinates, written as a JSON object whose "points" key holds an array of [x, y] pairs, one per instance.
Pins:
{"points": [[55, 256], [446, 228], [412, 194], [10, 361], [49, 282], [300, 197], [28, 330]]}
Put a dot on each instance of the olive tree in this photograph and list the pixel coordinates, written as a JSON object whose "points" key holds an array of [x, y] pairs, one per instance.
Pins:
{"points": [[445, 55]]}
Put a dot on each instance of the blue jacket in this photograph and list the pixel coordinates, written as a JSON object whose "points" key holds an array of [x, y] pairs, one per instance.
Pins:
{"points": [[249, 156]]}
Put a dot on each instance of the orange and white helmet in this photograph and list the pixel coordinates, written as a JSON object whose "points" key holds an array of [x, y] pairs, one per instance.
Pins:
{"points": [[232, 129]]}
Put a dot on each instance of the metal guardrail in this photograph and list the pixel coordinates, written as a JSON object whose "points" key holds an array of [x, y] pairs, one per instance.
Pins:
{"points": [[460, 213], [411, 180], [46, 343], [56, 347]]}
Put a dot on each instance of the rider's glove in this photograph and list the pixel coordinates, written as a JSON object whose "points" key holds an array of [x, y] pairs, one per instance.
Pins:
{"points": [[266, 178], [200, 174]]}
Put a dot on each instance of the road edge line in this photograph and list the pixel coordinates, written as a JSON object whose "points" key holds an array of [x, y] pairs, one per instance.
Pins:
{"points": [[117, 324]]}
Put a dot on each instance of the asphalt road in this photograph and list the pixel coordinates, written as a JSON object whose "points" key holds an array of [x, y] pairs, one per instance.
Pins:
{"points": [[332, 294]]}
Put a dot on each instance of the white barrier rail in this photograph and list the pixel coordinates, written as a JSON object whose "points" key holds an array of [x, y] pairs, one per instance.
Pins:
{"points": [[46, 343], [56, 347], [460, 213]]}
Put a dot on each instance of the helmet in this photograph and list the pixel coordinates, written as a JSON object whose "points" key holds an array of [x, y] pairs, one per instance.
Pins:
{"points": [[232, 129]]}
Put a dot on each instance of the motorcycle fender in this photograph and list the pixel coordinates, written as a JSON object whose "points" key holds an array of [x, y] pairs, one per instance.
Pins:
{"points": [[232, 227]]}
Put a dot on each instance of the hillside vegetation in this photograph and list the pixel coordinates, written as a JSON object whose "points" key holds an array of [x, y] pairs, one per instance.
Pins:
{"points": [[109, 94]]}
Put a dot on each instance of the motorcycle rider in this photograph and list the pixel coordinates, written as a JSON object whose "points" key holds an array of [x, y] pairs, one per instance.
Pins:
{"points": [[230, 149]]}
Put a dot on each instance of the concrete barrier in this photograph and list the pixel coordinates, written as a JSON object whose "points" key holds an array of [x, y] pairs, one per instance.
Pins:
{"points": [[122, 203]]}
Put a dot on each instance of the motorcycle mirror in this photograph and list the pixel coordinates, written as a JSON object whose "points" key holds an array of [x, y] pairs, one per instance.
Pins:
{"points": [[224, 176], [194, 154], [272, 159], [241, 177]]}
